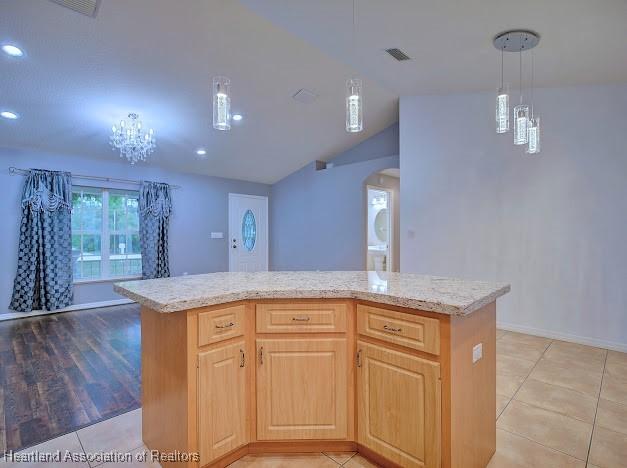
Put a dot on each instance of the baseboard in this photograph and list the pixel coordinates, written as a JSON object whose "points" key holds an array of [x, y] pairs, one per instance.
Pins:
{"points": [[89, 305], [613, 345]]}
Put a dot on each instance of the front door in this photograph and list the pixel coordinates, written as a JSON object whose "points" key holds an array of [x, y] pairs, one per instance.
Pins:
{"points": [[248, 232]]}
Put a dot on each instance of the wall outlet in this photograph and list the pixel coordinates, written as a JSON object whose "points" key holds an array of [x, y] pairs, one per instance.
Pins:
{"points": [[477, 352], [217, 235]]}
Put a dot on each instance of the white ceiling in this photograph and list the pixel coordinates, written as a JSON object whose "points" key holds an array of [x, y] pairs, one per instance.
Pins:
{"points": [[157, 57], [450, 41]]}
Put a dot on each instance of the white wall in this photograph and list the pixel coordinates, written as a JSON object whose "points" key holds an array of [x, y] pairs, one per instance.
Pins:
{"points": [[553, 225]]}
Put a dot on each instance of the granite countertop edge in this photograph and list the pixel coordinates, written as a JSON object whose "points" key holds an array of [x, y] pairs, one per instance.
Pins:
{"points": [[252, 294]]}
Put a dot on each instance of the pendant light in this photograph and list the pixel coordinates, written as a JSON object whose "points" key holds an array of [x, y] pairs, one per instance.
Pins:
{"points": [[221, 103], [502, 105], [533, 130], [525, 125], [354, 92]]}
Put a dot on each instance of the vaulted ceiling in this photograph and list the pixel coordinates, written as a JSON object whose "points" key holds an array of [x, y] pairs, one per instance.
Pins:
{"points": [[157, 58]]}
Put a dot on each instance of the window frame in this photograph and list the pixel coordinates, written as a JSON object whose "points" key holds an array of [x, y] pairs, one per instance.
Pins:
{"points": [[105, 239]]}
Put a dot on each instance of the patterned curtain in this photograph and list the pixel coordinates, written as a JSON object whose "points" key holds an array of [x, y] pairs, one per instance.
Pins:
{"points": [[44, 264], [155, 206]]}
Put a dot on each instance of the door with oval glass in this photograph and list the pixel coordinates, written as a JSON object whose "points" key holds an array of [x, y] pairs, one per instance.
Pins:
{"points": [[248, 232]]}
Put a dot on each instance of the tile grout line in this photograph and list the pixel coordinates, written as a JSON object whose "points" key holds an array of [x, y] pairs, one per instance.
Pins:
{"points": [[596, 410], [525, 379], [541, 444]]}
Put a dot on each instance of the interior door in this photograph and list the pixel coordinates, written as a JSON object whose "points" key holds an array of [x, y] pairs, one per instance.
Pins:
{"points": [[222, 396], [248, 232], [301, 389], [398, 400]]}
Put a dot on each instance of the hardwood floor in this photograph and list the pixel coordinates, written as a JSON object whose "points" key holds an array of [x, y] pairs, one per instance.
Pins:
{"points": [[61, 372]]}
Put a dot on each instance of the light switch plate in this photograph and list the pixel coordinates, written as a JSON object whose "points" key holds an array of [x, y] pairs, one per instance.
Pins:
{"points": [[217, 235], [477, 352]]}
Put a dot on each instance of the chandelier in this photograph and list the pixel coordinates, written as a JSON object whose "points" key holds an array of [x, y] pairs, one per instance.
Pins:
{"points": [[134, 143]]}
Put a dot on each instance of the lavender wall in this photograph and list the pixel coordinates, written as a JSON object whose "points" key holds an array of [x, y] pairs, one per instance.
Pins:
{"points": [[200, 207], [383, 144], [553, 225], [318, 218]]}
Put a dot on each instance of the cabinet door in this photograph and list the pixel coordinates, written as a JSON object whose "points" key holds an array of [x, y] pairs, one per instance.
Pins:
{"points": [[301, 389], [221, 401], [398, 398]]}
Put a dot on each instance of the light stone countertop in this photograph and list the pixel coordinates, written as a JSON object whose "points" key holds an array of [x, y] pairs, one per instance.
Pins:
{"points": [[430, 293]]}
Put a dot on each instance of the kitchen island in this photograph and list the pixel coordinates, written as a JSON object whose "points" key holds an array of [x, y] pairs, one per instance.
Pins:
{"points": [[397, 366]]}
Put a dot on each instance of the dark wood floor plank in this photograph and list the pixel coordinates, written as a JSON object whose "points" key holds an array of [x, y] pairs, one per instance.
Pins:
{"points": [[61, 372]]}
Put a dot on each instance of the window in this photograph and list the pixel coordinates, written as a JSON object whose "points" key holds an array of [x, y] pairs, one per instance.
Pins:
{"points": [[105, 233]]}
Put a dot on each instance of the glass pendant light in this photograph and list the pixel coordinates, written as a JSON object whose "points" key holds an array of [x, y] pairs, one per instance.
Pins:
{"points": [[502, 105], [533, 130], [521, 120], [354, 106], [354, 93], [533, 146], [221, 103]]}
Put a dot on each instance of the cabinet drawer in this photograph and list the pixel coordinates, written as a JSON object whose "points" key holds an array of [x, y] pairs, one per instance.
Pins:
{"points": [[299, 318], [412, 331], [220, 324]]}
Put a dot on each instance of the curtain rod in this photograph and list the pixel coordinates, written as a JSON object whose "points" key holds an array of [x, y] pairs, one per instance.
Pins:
{"points": [[18, 171]]}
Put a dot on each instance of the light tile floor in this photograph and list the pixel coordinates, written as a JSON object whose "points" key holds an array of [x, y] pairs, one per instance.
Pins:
{"points": [[558, 405]]}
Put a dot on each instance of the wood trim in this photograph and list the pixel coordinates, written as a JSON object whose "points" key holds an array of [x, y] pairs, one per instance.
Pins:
{"points": [[374, 457], [229, 458], [302, 446]]}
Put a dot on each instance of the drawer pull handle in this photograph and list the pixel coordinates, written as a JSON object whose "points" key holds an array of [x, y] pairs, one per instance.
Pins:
{"points": [[392, 329], [242, 361], [228, 325], [302, 318], [358, 358], [261, 355]]}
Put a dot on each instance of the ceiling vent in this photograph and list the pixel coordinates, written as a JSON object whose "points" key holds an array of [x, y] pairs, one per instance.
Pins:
{"points": [[398, 54], [84, 7], [305, 96]]}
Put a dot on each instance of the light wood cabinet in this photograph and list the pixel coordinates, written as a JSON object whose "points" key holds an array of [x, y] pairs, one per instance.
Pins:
{"points": [[409, 330], [301, 389], [222, 396], [398, 400], [306, 317], [220, 324]]}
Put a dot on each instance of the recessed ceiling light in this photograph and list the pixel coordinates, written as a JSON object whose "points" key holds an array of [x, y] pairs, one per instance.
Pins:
{"points": [[237, 117], [201, 152], [9, 115], [12, 50]]}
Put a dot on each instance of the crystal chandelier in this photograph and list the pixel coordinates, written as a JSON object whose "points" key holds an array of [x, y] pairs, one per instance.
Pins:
{"points": [[526, 125], [134, 143]]}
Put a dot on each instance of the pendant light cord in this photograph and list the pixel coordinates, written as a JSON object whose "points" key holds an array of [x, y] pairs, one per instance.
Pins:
{"points": [[532, 82], [502, 53], [520, 75]]}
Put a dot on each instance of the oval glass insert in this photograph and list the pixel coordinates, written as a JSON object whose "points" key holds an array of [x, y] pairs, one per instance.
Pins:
{"points": [[249, 230]]}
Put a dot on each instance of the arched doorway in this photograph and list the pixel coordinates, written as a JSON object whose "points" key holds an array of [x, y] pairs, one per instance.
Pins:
{"points": [[382, 221]]}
